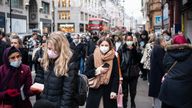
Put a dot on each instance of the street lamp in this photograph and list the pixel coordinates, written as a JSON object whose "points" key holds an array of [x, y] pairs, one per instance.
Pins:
{"points": [[123, 13], [10, 11]]}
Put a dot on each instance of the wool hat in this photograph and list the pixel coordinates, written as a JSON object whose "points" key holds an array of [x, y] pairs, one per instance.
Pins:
{"points": [[13, 50], [179, 39]]}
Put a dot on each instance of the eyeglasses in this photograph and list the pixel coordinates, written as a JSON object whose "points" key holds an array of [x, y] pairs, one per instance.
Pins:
{"points": [[14, 57]]}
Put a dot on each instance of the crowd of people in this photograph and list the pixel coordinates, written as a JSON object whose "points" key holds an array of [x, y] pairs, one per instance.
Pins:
{"points": [[57, 59]]}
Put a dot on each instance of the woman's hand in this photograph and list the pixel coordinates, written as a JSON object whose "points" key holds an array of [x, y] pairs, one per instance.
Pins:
{"points": [[104, 69], [113, 95]]}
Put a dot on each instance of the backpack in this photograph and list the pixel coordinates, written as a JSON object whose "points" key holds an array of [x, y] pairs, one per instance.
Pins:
{"points": [[82, 89]]}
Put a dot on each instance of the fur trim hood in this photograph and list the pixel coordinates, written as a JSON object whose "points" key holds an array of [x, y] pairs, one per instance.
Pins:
{"points": [[178, 47]]}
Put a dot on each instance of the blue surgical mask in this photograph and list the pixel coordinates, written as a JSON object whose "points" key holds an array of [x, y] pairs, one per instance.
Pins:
{"points": [[16, 63]]}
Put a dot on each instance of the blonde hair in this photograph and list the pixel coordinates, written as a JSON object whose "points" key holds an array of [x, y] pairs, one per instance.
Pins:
{"points": [[62, 47]]}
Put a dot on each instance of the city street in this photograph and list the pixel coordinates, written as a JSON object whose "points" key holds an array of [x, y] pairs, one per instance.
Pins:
{"points": [[142, 99]]}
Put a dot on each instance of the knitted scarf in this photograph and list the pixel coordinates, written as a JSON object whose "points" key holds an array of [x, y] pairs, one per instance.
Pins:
{"points": [[100, 59]]}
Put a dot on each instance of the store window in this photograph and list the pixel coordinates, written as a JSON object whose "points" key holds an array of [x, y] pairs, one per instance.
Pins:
{"points": [[64, 15], [45, 7], [17, 3], [67, 27]]}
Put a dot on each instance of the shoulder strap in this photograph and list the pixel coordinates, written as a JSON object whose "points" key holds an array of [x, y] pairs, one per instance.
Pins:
{"points": [[119, 69], [172, 66]]}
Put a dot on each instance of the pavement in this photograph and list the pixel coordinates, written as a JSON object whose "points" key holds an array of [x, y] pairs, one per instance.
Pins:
{"points": [[142, 100]]}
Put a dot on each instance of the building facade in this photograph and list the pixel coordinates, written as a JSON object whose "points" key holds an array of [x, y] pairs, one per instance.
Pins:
{"points": [[152, 15], [73, 15], [22, 16]]}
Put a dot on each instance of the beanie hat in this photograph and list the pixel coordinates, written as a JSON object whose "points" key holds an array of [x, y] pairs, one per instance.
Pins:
{"points": [[179, 39], [13, 50]]}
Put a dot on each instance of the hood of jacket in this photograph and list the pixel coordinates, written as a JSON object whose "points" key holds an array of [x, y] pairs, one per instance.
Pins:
{"points": [[6, 55], [179, 52]]}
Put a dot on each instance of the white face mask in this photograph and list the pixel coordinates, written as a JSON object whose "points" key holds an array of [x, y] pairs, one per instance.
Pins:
{"points": [[129, 43], [104, 49], [167, 38], [76, 41]]}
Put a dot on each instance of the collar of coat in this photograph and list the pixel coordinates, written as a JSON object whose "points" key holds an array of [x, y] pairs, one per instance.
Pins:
{"points": [[178, 46]]}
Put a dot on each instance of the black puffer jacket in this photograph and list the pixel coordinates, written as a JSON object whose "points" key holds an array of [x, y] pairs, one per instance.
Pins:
{"points": [[61, 91], [177, 86]]}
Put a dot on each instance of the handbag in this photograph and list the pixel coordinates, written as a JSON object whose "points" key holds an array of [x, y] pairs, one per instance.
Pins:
{"points": [[120, 89]]}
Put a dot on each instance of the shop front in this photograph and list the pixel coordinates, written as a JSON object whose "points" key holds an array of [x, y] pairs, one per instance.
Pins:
{"points": [[66, 27]]}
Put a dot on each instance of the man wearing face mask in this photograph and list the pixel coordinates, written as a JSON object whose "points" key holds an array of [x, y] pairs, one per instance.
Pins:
{"points": [[79, 51], [130, 69], [13, 77]]}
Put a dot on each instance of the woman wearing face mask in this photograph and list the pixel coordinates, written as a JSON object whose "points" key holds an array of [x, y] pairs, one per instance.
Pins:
{"points": [[130, 69], [59, 76], [167, 37], [15, 80], [17, 42], [102, 64]]}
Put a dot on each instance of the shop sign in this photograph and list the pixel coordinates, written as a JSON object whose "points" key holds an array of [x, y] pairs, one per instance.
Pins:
{"points": [[17, 11], [66, 25], [157, 20]]}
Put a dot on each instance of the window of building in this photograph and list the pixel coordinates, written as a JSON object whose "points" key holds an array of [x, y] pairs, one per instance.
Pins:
{"points": [[86, 17], [17, 3], [59, 3], [64, 15], [69, 5], [1, 1], [64, 3], [82, 16], [45, 7]]}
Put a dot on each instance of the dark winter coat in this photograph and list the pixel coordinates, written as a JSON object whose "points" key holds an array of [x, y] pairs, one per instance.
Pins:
{"points": [[38, 54], [177, 86], [103, 89], [24, 53], [157, 70], [79, 51], [15, 78], [61, 91], [129, 61], [3, 46]]}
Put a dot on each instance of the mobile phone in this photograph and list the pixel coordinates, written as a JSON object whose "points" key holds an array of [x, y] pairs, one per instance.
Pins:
{"points": [[106, 65]]}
